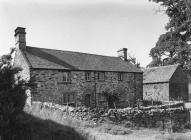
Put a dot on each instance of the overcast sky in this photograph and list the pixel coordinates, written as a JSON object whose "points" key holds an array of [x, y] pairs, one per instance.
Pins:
{"points": [[90, 26]]}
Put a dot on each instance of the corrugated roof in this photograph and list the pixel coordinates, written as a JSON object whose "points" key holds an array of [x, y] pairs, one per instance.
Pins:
{"points": [[57, 59], [159, 74]]}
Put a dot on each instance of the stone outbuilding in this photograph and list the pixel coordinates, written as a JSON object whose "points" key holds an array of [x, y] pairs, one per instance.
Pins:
{"points": [[165, 83], [76, 78]]}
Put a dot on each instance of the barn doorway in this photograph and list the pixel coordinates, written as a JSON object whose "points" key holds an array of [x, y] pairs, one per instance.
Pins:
{"points": [[87, 100]]}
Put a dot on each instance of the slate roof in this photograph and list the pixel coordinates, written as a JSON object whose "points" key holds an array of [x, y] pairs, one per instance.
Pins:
{"points": [[159, 74], [56, 59]]}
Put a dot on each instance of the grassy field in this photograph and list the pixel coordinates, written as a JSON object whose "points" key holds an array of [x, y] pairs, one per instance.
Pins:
{"points": [[109, 131], [42, 123], [32, 128]]}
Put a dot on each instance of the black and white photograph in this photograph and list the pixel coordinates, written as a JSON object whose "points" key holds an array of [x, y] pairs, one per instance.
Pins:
{"points": [[95, 69]]}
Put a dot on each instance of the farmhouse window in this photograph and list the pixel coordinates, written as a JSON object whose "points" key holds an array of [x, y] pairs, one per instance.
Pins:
{"points": [[69, 98], [66, 77], [120, 76], [101, 76], [88, 76]]}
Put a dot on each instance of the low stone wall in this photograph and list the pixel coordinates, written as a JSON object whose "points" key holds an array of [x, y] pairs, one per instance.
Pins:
{"points": [[163, 117], [61, 114], [58, 112], [144, 116]]}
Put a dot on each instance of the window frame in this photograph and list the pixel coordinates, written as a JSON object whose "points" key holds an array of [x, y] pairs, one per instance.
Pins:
{"points": [[87, 74], [66, 78], [69, 98], [101, 74], [120, 76]]}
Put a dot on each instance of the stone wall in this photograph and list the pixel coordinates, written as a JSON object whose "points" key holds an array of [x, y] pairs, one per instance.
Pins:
{"points": [[169, 117], [20, 61], [179, 85], [51, 88], [156, 92]]}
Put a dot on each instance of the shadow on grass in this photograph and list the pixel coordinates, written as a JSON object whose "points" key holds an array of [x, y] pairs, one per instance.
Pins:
{"points": [[29, 127]]}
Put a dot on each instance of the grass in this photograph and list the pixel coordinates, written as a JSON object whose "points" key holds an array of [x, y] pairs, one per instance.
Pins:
{"points": [[32, 128], [114, 129], [39, 129]]}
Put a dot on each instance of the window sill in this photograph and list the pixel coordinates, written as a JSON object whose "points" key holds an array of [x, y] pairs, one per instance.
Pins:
{"points": [[88, 80], [64, 83], [101, 80]]}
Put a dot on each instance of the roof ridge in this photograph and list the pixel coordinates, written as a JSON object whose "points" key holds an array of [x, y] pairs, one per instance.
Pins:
{"points": [[73, 52], [52, 58], [156, 67], [159, 74]]}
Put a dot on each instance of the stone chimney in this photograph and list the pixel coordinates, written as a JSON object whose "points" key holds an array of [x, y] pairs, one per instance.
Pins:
{"points": [[122, 53], [20, 39]]}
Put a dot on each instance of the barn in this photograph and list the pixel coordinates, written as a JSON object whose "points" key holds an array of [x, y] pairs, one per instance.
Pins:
{"points": [[165, 83]]}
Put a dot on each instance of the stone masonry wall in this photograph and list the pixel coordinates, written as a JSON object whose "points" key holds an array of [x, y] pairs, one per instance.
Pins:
{"points": [[51, 88], [156, 92], [179, 85], [20, 61]]}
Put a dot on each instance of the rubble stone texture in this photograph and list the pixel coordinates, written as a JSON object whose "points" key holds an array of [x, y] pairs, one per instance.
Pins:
{"points": [[51, 88]]}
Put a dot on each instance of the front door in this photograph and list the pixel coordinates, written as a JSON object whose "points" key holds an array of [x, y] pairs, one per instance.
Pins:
{"points": [[87, 100]]}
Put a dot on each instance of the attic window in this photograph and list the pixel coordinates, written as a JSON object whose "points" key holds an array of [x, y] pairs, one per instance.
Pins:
{"points": [[101, 76], [66, 77]]}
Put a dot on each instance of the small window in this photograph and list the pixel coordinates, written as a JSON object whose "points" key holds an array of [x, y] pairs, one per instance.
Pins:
{"points": [[66, 77], [68, 98], [120, 76], [88, 76], [101, 76], [101, 97]]}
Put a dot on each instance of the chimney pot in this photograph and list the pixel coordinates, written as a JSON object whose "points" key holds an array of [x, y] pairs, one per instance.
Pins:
{"points": [[20, 30]]}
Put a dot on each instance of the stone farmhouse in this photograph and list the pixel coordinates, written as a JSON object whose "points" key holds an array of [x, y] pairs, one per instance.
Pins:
{"points": [[165, 83], [75, 78]]}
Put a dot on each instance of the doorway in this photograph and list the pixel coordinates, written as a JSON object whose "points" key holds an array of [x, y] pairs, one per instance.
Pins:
{"points": [[87, 100]]}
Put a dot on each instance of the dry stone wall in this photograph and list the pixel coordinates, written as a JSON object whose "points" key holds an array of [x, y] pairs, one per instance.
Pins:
{"points": [[169, 116]]}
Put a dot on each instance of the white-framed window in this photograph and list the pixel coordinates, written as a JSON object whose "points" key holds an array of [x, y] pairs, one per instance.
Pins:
{"points": [[66, 77], [101, 76], [88, 76], [120, 76]]}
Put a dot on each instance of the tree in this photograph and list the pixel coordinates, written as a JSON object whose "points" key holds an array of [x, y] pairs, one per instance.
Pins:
{"points": [[174, 46], [133, 60], [12, 96]]}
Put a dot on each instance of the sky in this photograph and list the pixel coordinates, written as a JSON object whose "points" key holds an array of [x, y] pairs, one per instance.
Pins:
{"points": [[89, 26]]}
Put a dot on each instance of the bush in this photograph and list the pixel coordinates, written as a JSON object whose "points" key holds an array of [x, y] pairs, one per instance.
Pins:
{"points": [[12, 96], [111, 97], [187, 125]]}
